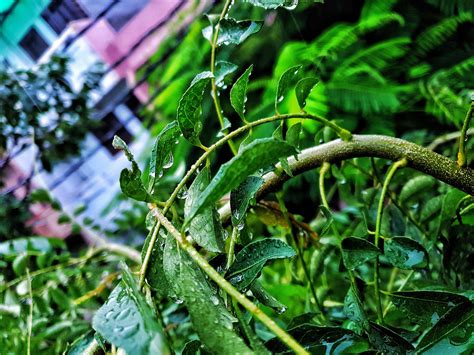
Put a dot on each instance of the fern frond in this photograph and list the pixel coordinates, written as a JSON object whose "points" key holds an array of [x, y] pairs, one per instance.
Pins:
{"points": [[334, 40], [376, 7], [377, 21], [451, 7]]}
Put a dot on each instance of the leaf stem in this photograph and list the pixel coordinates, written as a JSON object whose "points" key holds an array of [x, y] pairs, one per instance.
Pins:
{"points": [[30, 314], [462, 159], [391, 172], [230, 253], [227, 287]]}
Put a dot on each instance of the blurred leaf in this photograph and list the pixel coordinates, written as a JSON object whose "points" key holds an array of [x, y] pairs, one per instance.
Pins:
{"points": [[242, 197], [356, 251], [414, 187], [303, 89], [238, 93], [232, 31], [405, 253], [287, 79]]}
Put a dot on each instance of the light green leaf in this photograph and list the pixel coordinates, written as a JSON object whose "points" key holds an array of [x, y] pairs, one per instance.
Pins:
{"points": [[416, 186], [356, 251], [387, 341], [242, 197], [256, 155], [223, 69], [238, 93], [189, 108], [266, 298], [250, 261], [426, 306], [303, 89], [205, 228], [131, 180], [273, 4], [127, 321], [287, 79], [293, 135], [405, 253], [232, 31]]}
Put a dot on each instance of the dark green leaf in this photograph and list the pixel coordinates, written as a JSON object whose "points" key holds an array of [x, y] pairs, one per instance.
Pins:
{"points": [[242, 197], [191, 348], [456, 324], [416, 186], [405, 253], [250, 261], [256, 155], [162, 153], [303, 89], [127, 321], [266, 298], [287, 79], [232, 31], [79, 346], [356, 251], [387, 341], [273, 4], [354, 309], [205, 228], [189, 108], [238, 93], [223, 69], [426, 306], [431, 209]]}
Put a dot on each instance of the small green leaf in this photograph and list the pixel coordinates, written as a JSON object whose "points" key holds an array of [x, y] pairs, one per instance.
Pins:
{"points": [[238, 93], [293, 135], [286, 80], [266, 298], [250, 261], [354, 309], [256, 155], [431, 209], [405, 253], [19, 264], [242, 197], [460, 316], [232, 31], [189, 108], [416, 186], [127, 321], [162, 152], [426, 306], [356, 251], [303, 89], [131, 180], [223, 69], [273, 4], [205, 228], [387, 341]]}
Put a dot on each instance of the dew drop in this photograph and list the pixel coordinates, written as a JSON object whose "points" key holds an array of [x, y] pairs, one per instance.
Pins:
{"points": [[280, 99], [168, 163], [183, 193], [214, 300]]}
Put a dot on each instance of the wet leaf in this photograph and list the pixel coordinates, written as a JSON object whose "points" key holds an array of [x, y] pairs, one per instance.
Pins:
{"points": [[426, 306], [266, 298], [356, 251], [223, 69], [354, 309], [79, 346], [127, 321], [293, 135], [250, 261], [273, 4], [189, 108], [242, 197], [387, 341], [405, 253], [256, 155], [232, 31], [238, 93], [205, 228], [303, 89], [287, 79]]}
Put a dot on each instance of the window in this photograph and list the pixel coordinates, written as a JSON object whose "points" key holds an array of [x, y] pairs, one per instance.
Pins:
{"points": [[107, 128], [60, 12], [34, 44], [123, 12]]}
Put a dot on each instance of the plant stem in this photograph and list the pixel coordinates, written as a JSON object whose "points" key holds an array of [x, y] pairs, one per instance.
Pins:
{"points": [[146, 258], [462, 159], [226, 286], [230, 253], [391, 172], [30, 314]]}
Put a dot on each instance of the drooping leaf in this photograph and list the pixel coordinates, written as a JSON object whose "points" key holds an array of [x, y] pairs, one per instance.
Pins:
{"points": [[273, 4], [162, 153], [223, 69], [321, 340], [356, 251], [426, 306], [232, 31], [256, 155], [189, 108], [266, 298], [414, 187], [303, 89], [387, 341], [242, 197], [288, 78], [131, 180], [127, 321], [238, 93], [250, 261], [405, 253], [354, 309], [205, 228], [457, 324]]}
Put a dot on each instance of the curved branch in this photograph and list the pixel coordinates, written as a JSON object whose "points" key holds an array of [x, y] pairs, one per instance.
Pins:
{"points": [[418, 158]]}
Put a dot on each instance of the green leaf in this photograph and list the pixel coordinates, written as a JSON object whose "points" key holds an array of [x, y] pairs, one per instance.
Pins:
{"points": [[387, 341], [303, 89], [426, 306], [321, 340], [458, 317], [131, 180], [30, 244], [266, 298], [286, 80], [238, 93], [250, 261], [293, 135], [189, 108], [162, 153], [19, 264], [356, 251], [242, 197], [127, 321], [273, 4], [416, 186], [155, 274], [354, 309], [79, 346], [431, 209], [405, 253], [256, 155], [232, 31], [205, 228], [223, 69]]}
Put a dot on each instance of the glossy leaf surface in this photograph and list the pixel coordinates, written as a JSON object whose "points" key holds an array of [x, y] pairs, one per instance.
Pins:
{"points": [[232, 31], [356, 251], [242, 197], [405, 253], [238, 93]]}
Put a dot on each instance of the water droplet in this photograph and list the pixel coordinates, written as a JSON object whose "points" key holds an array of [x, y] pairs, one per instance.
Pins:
{"points": [[160, 173], [129, 330], [183, 193], [214, 300], [178, 301], [241, 225], [281, 310], [123, 314], [168, 163], [280, 99]]}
